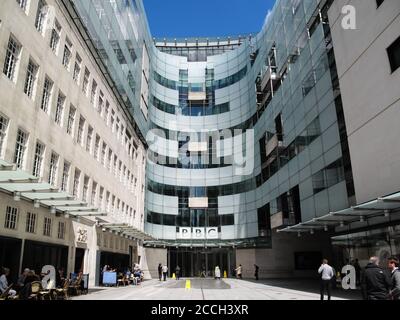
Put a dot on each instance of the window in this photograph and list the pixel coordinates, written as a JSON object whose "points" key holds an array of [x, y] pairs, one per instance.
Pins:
{"points": [[47, 89], [103, 154], [109, 161], [112, 119], [61, 230], [20, 147], [96, 147], [112, 205], [77, 69], [101, 198], [100, 103], [117, 128], [30, 222], [12, 58], [77, 177], [11, 218], [106, 112], [94, 194], [89, 139], [108, 201], [71, 120], [41, 16], [115, 165], [23, 4], [81, 128], [3, 132], [67, 54], [93, 92], [65, 176], [38, 159], [58, 118], [53, 168], [85, 189], [31, 76], [47, 227], [394, 55], [55, 37], [85, 84]]}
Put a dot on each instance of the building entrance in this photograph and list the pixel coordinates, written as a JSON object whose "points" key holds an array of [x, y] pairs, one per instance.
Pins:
{"points": [[200, 262]]}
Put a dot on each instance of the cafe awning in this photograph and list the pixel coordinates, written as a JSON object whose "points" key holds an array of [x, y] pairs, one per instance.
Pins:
{"points": [[384, 206]]}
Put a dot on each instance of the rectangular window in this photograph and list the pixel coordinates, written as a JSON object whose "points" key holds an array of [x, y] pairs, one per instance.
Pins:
{"points": [[12, 58], [109, 160], [94, 194], [108, 201], [67, 54], [65, 176], [394, 55], [3, 132], [81, 129], [89, 139], [77, 69], [41, 15], [61, 230], [103, 154], [71, 120], [85, 84], [20, 148], [96, 147], [58, 117], [53, 168], [85, 192], [101, 198], [55, 37], [106, 112], [112, 120], [11, 218], [112, 205], [93, 92], [30, 222], [77, 177], [23, 4], [115, 165], [47, 90], [47, 227], [100, 103], [38, 159], [31, 76]]}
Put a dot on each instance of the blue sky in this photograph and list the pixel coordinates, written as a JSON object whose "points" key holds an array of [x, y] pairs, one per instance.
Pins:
{"points": [[198, 18]]}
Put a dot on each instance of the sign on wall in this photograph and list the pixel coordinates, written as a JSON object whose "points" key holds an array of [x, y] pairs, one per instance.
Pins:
{"points": [[198, 233]]}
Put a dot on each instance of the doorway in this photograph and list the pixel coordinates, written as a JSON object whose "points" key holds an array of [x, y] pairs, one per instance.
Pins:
{"points": [[79, 260], [201, 262]]}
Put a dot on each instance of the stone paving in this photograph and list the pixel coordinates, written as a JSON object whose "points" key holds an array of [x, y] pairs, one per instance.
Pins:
{"points": [[210, 289]]}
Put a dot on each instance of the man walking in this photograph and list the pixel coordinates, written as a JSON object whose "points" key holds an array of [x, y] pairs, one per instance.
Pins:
{"points": [[326, 272], [393, 265], [239, 271], [165, 271], [159, 271], [376, 282], [177, 272], [257, 268]]}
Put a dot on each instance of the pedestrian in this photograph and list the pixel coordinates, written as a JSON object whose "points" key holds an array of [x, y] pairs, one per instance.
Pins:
{"points": [[326, 273], [165, 271], [393, 265], [256, 269], [21, 278], [159, 271], [357, 267], [177, 272], [217, 273], [4, 283], [239, 271], [376, 282]]}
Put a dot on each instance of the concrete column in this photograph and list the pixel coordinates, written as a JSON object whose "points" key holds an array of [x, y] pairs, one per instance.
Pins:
{"points": [[21, 257]]}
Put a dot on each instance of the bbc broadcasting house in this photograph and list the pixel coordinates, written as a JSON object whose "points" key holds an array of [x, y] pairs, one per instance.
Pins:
{"points": [[276, 148]]}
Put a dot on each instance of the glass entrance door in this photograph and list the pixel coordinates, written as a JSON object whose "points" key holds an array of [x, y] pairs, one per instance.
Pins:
{"points": [[200, 262]]}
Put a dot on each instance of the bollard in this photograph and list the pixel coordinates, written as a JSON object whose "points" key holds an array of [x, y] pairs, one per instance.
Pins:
{"points": [[173, 276], [225, 274], [187, 287]]}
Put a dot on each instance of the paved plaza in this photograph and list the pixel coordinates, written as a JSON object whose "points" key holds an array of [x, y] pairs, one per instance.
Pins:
{"points": [[210, 289]]}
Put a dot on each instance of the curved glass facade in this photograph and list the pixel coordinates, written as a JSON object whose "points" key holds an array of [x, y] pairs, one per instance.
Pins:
{"points": [[248, 140]]}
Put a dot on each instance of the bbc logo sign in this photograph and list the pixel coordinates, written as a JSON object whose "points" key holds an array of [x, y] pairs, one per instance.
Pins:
{"points": [[198, 233]]}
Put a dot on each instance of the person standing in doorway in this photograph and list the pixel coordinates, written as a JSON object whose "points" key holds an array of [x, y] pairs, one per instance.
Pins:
{"points": [[239, 271], [217, 273], [376, 282], [326, 273], [177, 272], [393, 265], [256, 269], [165, 271], [159, 271]]}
